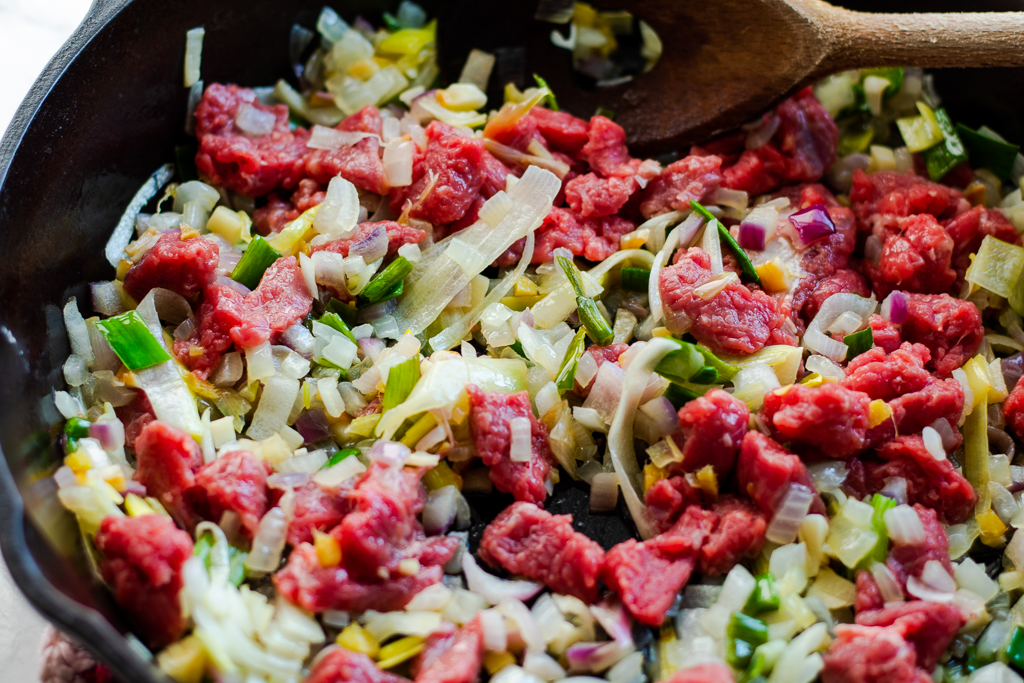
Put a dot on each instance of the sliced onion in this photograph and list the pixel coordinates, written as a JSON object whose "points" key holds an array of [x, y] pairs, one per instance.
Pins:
{"points": [[520, 614], [390, 453], [543, 666], [494, 631], [586, 369], [495, 208], [904, 525], [895, 488], [109, 432], [275, 406], [338, 215], [398, 157], [595, 657], [313, 426], [786, 522], [300, 340], [614, 620], [894, 307], [888, 586], [607, 390], [332, 139], [439, 510], [933, 443], [712, 244], [521, 449], [828, 369], [493, 589], [106, 299], [812, 224], [269, 542], [662, 414], [372, 247], [604, 492], [972, 576], [254, 121], [336, 475], [760, 136], [229, 371]]}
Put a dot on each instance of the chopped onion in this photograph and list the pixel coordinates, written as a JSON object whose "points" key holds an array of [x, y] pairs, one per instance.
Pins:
{"points": [[542, 665], [812, 224], [259, 361], [514, 157], [193, 55], [888, 586], [495, 209], [269, 542], [383, 625], [895, 488], [308, 463], [586, 369], [815, 340], [529, 631], [847, 323], [614, 619], [275, 406], [477, 69], [834, 306], [934, 585], [753, 382], [733, 199], [933, 443], [710, 289], [760, 136], [439, 510], [595, 657], [521, 449], [372, 247], [109, 433], [398, 156], [904, 525], [786, 522], [662, 414], [106, 299], [828, 369], [338, 215], [229, 371], [712, 244], [332, 139], [607, 390], [254, 121], [493, 589], [894, 307], [789, 665], [494, 631], [336, 475], [604, 492], [300, 340], [972, 576]]}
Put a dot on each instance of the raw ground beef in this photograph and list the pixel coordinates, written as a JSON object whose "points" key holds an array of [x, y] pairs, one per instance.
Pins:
{"points": [[915, 259], [276, 213], [528, 541], [167, 459], [738, 535], [185, 267], [1013, 410], [489, 417], [398, 236], [870, 654], [881, 199], [605, 149], [454, 659], [360, 164], [928, 626], [690, 178], [341, 665], [667, 498], [595, 239], [703, 673], [829, 419], [142, 560], [969, 228], [235, 482], [909, 560], [315, 508], [766, 470], [712, 428], [590, 195], [950, 328]]}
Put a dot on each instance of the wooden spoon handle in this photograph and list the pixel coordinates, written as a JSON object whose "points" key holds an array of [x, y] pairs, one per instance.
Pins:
{"points": [[971, 39]]}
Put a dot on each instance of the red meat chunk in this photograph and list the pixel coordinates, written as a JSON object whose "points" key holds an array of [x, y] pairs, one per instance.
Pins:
{"points": [[226, 316], [766, 470], [459, 661], [841, 281], [166, 461], [928, 626], [595, 239], [315, 508], [870, 654], [738, 534], [541, 546], [690, 178], [950, 328], [235, 482], [703, 673], [142, 560], [601, 355], [881, 199], [360, 164], [591, 195], [489, 417], [1013, 410], [869, 597], [398, 236], [276, 213], [647, 576], [916, 259], [807, 135], [182, 266], [885, 334], [667, 498], [341, 665], [909, 560], [713, 426], [381, 528], [251, 165], [735, 321], [831, 419], [561, 130], [605, 150], [970, 227], [457, 163], [135, 416], [757, 171], [315, 588]]}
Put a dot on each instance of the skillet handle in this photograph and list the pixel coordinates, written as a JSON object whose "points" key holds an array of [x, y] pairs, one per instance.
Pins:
{"points": [[103, 9]]}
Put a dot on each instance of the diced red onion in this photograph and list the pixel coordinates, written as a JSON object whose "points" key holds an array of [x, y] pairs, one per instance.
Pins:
{"points": [[377, 312], [300, 340], [760, 136], [752, 236], [604, 492], [521, 449], [662, 414], [904, 525], [372, 347], [390, 453], [439, 510], [595, 657], [894, 308], [786, 522], [106, 299], [372, 247], [812, 224], [109, 432], [289, 480], [493, 589], [895, 488], [237, 286], [614, 620], [253, 121], [1013, 368], [888, 586], [313, 426]]}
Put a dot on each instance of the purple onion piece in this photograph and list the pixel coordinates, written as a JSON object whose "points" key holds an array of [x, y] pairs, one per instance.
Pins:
{"points": [[752, 236], [813, 224], [132, 486], [372, 347], [376, 311], [894, 308], [372, 247], [289, 480], [110, 434], [1013, 368], [300, 340], [313, 426], [390, 453]]}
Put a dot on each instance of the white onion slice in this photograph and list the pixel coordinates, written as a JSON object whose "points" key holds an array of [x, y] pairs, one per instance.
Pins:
{"points": [[712, 244], [521, 449], [254, 121], [786, 522], [398, 157], [338, 215], [888, 586], [332, 139], [493, 589], [193, 55], [904, 525]]}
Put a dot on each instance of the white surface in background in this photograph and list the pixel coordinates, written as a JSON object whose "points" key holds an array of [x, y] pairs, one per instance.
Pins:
{"points": [[31, 31]]}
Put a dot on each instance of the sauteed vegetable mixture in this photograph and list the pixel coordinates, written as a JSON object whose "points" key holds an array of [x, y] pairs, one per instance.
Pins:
{"points": [[789, 357]]}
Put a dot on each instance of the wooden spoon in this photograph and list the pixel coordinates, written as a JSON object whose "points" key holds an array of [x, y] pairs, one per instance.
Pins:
{"points": [[726, 61]]}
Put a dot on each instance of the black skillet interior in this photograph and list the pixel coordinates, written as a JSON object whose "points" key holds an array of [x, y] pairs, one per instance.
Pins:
{"points": [[107, 112]]}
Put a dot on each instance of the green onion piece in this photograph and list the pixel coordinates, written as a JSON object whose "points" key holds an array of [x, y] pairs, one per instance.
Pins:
{"points": [[386, 279], [391, 22], [236, 563], [706, 375], [858, 343], [394, 292], [745, 633], [255, 261], [132, 341], [881, 550], [347, 312], [550, 98], [340, 455], [893, 74], [185, 158], [855, 141], [566, 378], [606, 112], [635, 279], [764, 598], [987, 152], [401, 380], [334, 321], [1015, 648], [77, 428], [947, 155], [596, 325], [746, 267], [725, 371], [680, 394]]}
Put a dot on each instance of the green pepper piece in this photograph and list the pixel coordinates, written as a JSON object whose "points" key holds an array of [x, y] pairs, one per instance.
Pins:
{"points": [[880, 504], [590, 315], [764, 598], [1015, 648], [988, 152], [681, 365], [948, 154], [566, 378], [132, 341], [401, 381], [705, 375], [635, 279], [236, 565], [747, 628], [679, 395], [858, 343], [339, 456], [738, 653], [258, 256], [605, 112], [77, 428], [334, 321]]}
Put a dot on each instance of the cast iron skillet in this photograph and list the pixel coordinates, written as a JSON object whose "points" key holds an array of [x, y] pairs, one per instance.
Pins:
{"points": [[105, 113]]}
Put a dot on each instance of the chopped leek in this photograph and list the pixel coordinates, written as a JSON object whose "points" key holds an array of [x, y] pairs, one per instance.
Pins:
{"points": [[944, 157], [596, 325], [339, 456], [989, 152], [976, 455], [401, 381], [236, 558], [549, 100], [132, 341], [999, 267], [741, 256], [635, 279], [879, 504], [893, 74], [566, 378], [386, 280], [858, 342], [255, 261], [706, 375], [347, 312], [334, 321], [920, 132]]}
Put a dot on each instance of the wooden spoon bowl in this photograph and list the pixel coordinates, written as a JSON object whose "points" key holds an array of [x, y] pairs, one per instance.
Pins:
{"points": [[726, 61]]}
